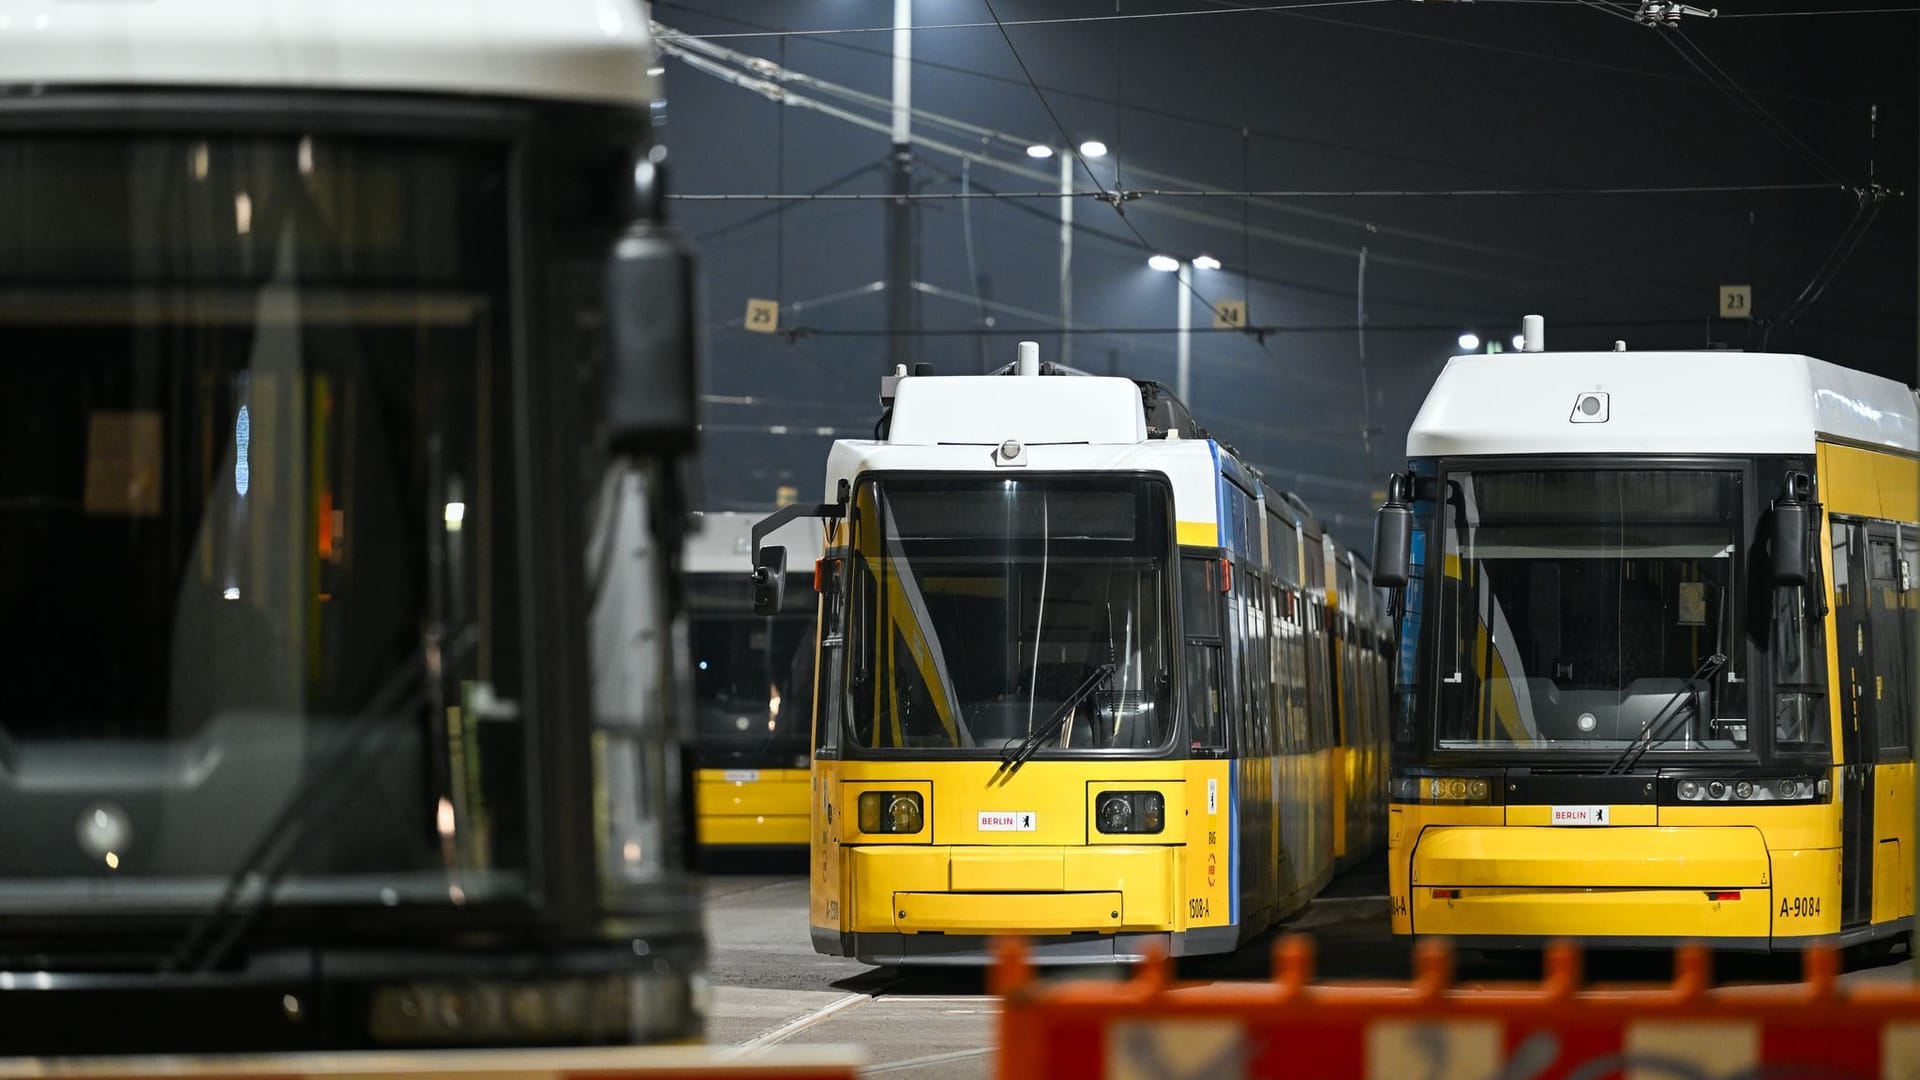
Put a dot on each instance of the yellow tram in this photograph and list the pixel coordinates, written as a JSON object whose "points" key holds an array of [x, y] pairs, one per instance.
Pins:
{"points": [[1656, 661], [1082, 676], [752, 692]]}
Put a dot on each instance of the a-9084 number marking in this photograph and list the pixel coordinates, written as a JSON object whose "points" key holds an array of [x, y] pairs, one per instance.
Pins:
{"points": [[1799, 907]]}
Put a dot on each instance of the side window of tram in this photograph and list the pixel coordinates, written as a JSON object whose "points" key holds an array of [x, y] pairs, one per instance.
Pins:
{"points": [[826, 714], [1200, 603], [1888, 641]]}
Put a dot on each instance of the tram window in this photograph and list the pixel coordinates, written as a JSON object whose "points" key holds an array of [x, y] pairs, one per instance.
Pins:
{"points": [[982, 609], [1578, 603], [1203, 696], [1200, 596], [1889, 642], [1799, 723]]}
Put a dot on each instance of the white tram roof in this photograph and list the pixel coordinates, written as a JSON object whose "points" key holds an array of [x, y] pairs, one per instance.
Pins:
{"points": [[576, 50], [721, 542], [987, 410], [1064, 423], [1716, 402]]}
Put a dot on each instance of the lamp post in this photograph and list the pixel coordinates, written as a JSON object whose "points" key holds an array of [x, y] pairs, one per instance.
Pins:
{"points": [[1092, 148], [1182, 269]]}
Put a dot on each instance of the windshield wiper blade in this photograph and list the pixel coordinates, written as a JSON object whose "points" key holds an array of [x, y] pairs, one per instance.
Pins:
{"points": [[1654, 733], [1011, 761], [323, 789]]}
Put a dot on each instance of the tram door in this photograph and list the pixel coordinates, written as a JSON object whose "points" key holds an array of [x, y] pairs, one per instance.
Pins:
{"points": [[1870, 594], [1856, 696]]}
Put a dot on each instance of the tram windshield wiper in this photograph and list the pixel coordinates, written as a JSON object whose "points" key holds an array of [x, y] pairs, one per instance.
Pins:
{"points": [[1658, 730], [1017, 756], [399, 699]]}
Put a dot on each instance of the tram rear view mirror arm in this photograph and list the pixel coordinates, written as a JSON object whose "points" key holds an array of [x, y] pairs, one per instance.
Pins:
{"points": [[1393, 537], [770, 564]]}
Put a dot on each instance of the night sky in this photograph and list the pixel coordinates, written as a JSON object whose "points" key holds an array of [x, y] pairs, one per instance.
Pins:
{"points": [[1533, 97]]}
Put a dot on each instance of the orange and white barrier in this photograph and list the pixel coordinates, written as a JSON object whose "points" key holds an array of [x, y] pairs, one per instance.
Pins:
{"points": [[612, 1063], [1557, 1029]]}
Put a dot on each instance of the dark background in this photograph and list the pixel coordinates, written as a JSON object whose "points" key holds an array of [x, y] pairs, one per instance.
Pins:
{"points": [[1539, 96]]}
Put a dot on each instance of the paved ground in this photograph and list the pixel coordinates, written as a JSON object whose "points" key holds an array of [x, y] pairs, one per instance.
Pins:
{"points": [[771, 987]]}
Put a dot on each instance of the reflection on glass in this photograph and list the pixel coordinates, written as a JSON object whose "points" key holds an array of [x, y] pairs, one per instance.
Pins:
{"points": [[245, 375], [745, 669], [1577, 609], [979, 607]]}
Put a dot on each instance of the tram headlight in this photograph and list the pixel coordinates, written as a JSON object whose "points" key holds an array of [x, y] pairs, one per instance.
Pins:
{"points": [[892, 812], [1442, 789], [1790, 789], [1130, 812]]}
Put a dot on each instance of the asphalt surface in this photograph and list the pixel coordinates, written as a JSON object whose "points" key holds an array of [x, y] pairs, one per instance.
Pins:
{"points": [[771, 988]]}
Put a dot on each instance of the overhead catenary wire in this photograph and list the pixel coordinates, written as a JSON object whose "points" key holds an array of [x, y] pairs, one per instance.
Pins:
{"points": [[1299, 5], [1734, 92], [1143, 109], [1133, 194], [761, 76], [1508, 50], [1802, 14], [1067, 141], [1267, 134]]}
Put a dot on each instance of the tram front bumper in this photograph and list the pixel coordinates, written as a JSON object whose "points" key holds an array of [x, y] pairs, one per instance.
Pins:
{"points": [[1011, 890], [1611, 885], [752, 807]]}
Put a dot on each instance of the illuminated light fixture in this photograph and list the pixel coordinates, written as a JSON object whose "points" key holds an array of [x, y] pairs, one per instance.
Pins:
{"points": [[1039, 151], [443, 816], [232, 593], [242, 440], [656, 71], [1207, 262], [456, 514], [305, 155], [1164, 263], [1093, 148], [1469, 342], [1519, 343], [242, 213], [113, 861]]}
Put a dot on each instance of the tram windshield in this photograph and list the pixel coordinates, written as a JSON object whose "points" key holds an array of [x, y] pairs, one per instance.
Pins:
{"points": [[752, 677], [256, 554], [981, 605], [1579, 609]]}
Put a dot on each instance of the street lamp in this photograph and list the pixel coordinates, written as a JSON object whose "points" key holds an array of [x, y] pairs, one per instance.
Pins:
{"points": [[1469, 341], [1183, 354], [1092, 148]]}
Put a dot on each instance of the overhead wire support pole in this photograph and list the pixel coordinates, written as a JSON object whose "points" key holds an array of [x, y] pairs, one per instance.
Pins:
{"points": [[1184, 348], [899, 275], [1066, 251]]}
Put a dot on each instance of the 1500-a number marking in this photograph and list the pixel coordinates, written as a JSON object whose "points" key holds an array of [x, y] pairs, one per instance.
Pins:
{"points": [[1799, 907], [1198, 909]]}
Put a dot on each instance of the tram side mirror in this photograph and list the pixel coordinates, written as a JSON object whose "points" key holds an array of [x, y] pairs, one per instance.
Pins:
{"points": [[1393, 538], [769, 581], [1789, 543], [654, 342]]}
